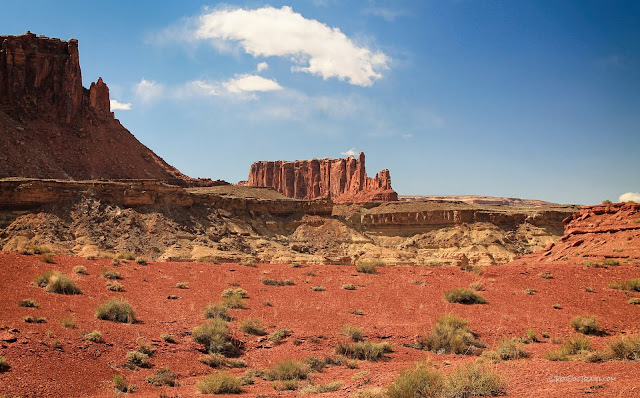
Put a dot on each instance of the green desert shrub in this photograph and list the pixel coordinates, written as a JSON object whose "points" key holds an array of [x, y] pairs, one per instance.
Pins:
{"points": [[318, 288], [545, 275], [116, 311], [577, 345], [288, 369], [141, 261], [322, 388], [95, 336], [163, 377], [464, 296], [57, 282], [115, 286], [511, 349], [28, 303], [353, 332], [120, 383], [220, 383], [279, 335], [531, 336], [216, 311], [275, 282], [144, 346], [111, 274], [477, 285], [586, 324], [137, 358], [363, 350], [214, 360], [367, 267], [473, 380], [233, 302], [214, 336], [417, 382], [80, 269], [234, 292], [611, 262], [348, 286], [624, 348], [629, 285], [182, 285], [451, 334], [253, 326], [634, 300]]}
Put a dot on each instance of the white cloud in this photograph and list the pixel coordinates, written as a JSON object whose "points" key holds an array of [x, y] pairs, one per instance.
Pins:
{"points": [[350, 152], [148, 90], [238, 86], [196, 88], [630, 196], [387, 14], [311, 45], [250, 83], [407, 136], [119, 106], [262, 66]]}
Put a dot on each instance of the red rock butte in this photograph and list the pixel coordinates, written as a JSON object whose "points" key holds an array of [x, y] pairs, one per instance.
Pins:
{"points": [[53, 127], [342, 180]]}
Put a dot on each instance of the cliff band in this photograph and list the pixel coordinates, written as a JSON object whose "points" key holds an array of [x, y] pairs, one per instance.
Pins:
{"points": [[342, 180]]}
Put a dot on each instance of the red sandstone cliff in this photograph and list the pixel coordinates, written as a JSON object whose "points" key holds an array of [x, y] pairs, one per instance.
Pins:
{"points": [[342, 180], [52, 127]]}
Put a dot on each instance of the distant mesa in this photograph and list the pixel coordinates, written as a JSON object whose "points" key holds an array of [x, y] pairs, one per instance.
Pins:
{"points": [[52, 127], [341, 180]]}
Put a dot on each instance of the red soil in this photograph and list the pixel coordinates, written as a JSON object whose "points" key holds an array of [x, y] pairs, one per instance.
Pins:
{"points": [[395, 308]]}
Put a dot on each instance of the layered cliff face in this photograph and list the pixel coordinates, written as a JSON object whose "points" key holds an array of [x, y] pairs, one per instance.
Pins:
{"points": [[52, 127], [342, 180], [232, 223]]}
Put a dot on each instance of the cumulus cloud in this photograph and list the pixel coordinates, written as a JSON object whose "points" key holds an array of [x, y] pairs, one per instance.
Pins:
{"points": [[148, 90], [630, 197], [119, 106], [250, 83], [312, 46], [262, 66], [350, 152], [237, 86]]}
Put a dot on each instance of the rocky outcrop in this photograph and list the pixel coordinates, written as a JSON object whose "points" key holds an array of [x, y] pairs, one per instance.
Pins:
{"points": [[40, 76], [597, 236], [342, 180], [52, 127]]}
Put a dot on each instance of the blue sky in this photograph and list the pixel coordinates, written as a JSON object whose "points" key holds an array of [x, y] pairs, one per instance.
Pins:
{"points": [[530, 99]]}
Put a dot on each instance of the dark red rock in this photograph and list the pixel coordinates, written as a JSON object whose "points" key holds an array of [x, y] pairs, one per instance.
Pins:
{"points": [[342, 180], [52, 127]]}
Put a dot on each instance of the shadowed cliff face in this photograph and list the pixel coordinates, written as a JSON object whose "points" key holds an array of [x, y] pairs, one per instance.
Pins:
{"points": [[52, 127], [342, 180]]}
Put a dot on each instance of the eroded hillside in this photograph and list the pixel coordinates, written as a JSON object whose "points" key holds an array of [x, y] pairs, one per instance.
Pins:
{"points": [[163, 222]]}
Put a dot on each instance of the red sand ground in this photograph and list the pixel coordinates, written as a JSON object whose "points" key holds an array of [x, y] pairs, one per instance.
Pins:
{"points": [[395, 309]]}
